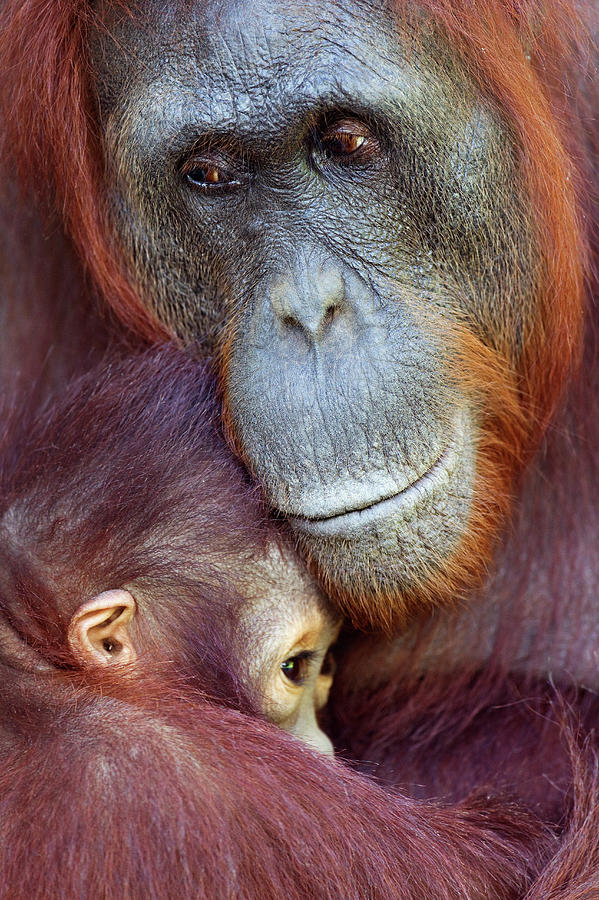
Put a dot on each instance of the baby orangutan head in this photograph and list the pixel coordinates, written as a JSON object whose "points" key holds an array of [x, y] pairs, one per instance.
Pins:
{"points": [[136, 544]]}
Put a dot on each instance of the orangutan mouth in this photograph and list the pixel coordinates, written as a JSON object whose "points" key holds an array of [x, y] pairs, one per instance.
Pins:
{"points": [[352, 521]]}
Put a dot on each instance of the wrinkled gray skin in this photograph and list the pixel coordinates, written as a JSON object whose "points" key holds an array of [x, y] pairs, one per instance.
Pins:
{"points": [[340, 272]]}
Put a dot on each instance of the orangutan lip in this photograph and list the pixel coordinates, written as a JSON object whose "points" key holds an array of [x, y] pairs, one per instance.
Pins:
{"points": [[355, 520]]}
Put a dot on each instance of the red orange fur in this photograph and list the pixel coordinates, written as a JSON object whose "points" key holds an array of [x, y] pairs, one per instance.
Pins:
{"points": [[535, 61]]}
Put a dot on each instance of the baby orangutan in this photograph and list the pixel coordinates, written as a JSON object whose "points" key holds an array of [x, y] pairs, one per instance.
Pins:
{"points": [[134, 544], [152, 620]]}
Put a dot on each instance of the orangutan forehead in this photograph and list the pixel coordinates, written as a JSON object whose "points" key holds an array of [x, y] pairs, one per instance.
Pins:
{"points": [[260, 74]]}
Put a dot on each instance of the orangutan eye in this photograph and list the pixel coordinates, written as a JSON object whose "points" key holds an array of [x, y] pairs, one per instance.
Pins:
{"points": [[211, 173], [295, 668], [348, 140]]}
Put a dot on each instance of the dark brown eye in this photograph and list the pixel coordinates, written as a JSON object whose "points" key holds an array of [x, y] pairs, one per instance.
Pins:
{"points": [[348, 139], [296, 667]]}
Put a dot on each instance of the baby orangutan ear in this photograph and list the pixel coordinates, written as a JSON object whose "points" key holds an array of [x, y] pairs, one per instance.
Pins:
{"points": [[99, 633]]}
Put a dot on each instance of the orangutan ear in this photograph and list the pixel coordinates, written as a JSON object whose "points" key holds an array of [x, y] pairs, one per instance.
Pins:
{"points": [[99, 633]]}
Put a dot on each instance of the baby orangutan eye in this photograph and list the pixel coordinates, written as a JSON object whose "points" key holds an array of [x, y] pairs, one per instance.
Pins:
{"points": [[296, 667]]}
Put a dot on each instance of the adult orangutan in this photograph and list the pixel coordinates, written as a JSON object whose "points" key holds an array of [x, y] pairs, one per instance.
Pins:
{"points": [[381, 219]]}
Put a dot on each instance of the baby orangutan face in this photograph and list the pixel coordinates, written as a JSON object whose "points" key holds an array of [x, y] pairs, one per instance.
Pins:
{"points": [[285, 628], [291, 627]]}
